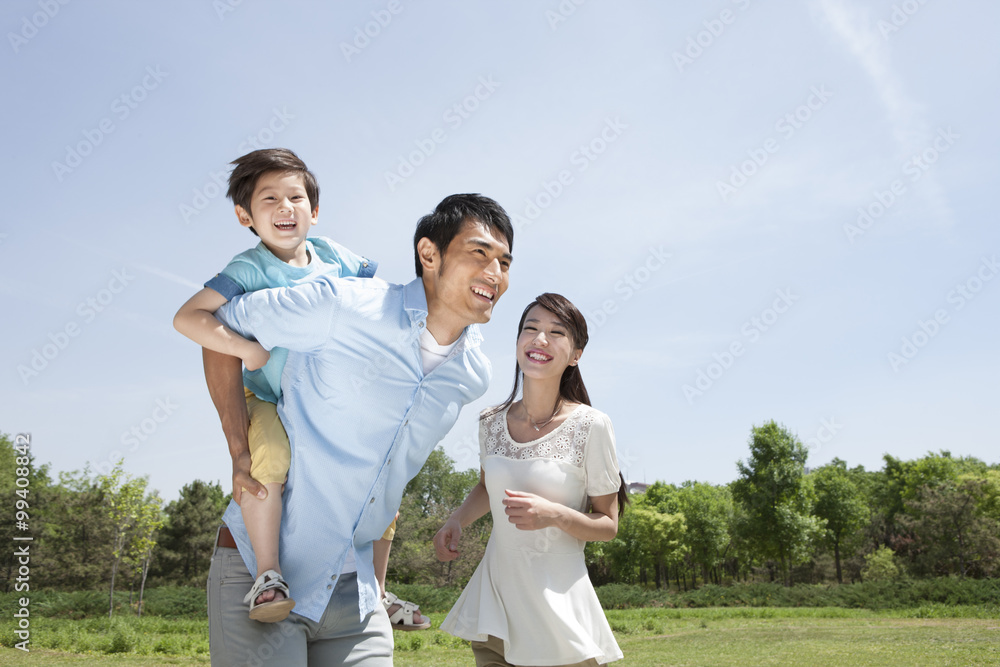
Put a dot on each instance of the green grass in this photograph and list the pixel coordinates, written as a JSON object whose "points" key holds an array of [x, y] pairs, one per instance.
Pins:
{"points": [[934, 634]]}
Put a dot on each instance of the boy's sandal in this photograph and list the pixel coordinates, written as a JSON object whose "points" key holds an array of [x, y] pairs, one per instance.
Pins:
{"points": [[402, 618], [274, 610]]}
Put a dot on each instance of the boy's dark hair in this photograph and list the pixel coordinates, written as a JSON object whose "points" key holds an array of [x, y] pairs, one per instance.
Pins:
{"points": [[444, 223], [250, 167]]}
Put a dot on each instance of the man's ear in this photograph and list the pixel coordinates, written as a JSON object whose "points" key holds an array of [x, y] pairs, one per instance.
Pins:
{"points": [[430, 257], [243, 216]]}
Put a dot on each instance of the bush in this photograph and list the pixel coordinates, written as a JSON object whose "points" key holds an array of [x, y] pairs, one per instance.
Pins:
{"points": [[629, 596], [880, 565], [875, 595], [429, 598]]}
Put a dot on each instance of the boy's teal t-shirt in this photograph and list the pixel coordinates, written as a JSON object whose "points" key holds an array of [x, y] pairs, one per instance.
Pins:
{"points": [[258, 268]]}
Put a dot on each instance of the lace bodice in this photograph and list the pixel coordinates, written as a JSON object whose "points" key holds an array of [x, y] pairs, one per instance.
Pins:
{"points": [[566, 443]]}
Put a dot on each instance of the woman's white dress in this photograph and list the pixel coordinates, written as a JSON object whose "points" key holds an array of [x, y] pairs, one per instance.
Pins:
{"points": [[532, 589]]}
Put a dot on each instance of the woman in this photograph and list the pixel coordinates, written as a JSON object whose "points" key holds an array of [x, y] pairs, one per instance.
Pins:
{"points": [[546, 459]]}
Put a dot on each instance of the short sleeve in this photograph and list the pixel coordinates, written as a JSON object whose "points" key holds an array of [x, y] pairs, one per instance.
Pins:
{"points": [[244, 271], [600, 460], [239, 277], [484, 433]]}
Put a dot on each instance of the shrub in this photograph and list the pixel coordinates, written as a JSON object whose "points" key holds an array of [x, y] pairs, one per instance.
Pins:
{"points": [[880, 565]]}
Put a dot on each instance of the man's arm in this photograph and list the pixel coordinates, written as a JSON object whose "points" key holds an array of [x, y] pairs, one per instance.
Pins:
{"points": [[224, 376]]}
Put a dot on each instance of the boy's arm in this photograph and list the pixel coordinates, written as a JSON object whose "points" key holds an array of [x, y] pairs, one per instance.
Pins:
{"points": [[299, 318], [224, 376], [196, 320]]}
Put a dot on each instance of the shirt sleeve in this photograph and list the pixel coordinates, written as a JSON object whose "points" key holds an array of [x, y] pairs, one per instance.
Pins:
{"points": [[297, 318], [600, 460], [239, 276], [482, 439], [351, 263]]}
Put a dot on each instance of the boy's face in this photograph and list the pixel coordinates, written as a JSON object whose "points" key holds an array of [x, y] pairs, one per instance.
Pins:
{"points": [[280, 214]]}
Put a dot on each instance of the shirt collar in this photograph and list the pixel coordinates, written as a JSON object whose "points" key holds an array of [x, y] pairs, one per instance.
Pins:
{"points": [[415, 298], [415, 301]]}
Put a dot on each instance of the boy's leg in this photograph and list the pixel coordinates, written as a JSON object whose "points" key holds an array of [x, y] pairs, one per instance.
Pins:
{"points": [[263, 521], [270, 457], [380, 560]]}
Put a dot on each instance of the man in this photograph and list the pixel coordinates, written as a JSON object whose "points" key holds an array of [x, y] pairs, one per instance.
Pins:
{"points": [[376, 376]]}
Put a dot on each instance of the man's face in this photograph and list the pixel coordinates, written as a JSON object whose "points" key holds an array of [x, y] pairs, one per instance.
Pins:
{"points": [[473, 274]]}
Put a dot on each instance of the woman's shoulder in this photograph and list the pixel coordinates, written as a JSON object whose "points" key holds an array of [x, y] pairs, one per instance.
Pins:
{"points": [[493, 412], [590, 413]]}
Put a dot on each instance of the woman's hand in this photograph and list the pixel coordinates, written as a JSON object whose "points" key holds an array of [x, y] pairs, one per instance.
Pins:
{"points": [[446, 540], [530, 512]]}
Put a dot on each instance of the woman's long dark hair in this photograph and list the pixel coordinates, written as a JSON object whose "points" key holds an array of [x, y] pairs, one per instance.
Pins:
{"points": [[571, 387]]}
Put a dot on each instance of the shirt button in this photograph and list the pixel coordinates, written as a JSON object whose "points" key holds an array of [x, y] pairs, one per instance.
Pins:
{"points": [[365, 264], [333, 578], [420, 325], [371, 501], [329, 586]]}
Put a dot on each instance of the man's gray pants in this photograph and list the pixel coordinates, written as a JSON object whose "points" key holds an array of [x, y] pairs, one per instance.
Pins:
{"points": [[339, 638]]}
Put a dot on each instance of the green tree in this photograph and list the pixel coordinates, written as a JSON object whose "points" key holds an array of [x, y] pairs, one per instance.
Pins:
{"points": [[30, 496], [187, 538], [708, 516], [777, 497], [952, 531], [428, 499], [840, 503], [124, 497], [76, 539], [139, 553], [647, 544]]}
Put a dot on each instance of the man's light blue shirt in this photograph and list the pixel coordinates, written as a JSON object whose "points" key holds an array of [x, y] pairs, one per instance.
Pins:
{"points": [[361, 416], [258, 268]]}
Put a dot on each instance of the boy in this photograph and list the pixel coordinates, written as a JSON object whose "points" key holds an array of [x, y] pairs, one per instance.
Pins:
{"points": [[277, 198]]}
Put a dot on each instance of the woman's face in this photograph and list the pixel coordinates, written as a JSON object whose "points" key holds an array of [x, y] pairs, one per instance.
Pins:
{"points": [[545, 346]]}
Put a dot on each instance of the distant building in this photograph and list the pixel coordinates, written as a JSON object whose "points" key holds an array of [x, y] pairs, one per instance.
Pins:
{"points": [[636, 487]]}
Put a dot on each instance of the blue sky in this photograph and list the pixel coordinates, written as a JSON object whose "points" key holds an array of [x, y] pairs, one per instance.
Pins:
{"points": [[766, 210]]}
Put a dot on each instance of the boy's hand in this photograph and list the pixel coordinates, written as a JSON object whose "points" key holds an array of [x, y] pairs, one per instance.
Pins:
{"points": [[242, 479], [256, 356]]}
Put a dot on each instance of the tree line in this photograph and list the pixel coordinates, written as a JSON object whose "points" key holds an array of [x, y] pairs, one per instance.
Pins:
{"points": [[777, 521]]}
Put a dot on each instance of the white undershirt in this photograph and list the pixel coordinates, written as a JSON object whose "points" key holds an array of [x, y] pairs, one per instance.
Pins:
{"points": [[432, 355]]}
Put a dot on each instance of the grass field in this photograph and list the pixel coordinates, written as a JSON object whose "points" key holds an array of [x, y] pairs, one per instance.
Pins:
{"points": [[929, 635]]}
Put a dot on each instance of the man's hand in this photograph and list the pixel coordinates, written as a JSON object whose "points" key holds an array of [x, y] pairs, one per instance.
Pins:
{"points": [[243, 480], [530, 512], [446, 540], [256, 356]]}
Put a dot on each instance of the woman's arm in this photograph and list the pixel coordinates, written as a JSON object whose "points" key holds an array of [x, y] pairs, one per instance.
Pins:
{"points": [[196, 320], [476, 504], [530, 512]]}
